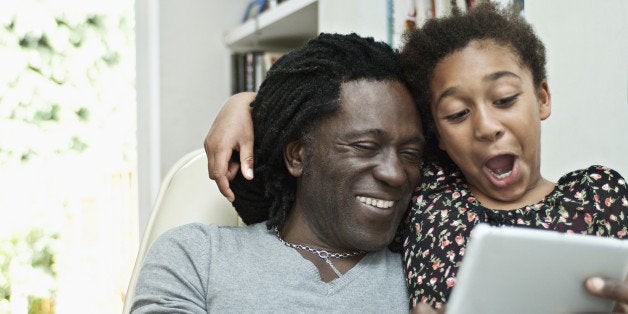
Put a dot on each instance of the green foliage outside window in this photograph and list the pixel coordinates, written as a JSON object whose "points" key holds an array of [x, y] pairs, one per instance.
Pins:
{"points": [[64, 65], [30, 255], [66, 89]]}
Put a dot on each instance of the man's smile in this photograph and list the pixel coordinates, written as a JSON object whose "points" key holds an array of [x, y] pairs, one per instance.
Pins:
{"points": [[375, 202]]}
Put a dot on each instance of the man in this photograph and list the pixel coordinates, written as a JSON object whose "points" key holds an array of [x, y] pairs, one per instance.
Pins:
{"points": [[338, 149]]}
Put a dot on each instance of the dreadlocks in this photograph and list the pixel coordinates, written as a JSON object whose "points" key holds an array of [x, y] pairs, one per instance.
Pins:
{"points": [[300, 89], [425, 47]]}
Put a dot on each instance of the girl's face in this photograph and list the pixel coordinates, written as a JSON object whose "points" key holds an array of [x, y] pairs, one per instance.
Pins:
{"points": [[488, 117]]}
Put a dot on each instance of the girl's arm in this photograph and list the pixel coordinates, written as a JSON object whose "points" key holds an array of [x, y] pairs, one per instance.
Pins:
{"points": [[232, 130]]}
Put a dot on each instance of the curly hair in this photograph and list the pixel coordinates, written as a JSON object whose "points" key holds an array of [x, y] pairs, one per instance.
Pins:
{"points": [[302, 88], [425, 47]]}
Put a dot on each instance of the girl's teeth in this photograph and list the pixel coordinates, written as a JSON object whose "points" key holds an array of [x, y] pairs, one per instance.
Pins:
{"points": [[500, 176]]}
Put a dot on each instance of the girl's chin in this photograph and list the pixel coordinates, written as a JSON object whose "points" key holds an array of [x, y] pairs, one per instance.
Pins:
{"points": [[498, 199], [505, 198]]}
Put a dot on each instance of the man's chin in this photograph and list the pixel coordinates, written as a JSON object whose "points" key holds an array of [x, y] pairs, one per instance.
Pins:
{"points": [[375, 241]]}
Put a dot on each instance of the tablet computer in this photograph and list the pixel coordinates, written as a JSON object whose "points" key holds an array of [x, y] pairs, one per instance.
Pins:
{"points": [[523, 270]]}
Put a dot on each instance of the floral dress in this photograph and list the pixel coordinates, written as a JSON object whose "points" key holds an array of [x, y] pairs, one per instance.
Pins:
{"points": [[588, 201]]}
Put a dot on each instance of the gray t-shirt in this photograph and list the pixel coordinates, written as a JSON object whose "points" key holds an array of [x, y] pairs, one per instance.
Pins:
{"points": [[200, 268]]}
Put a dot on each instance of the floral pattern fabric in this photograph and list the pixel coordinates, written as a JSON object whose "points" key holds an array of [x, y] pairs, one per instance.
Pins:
{"points": [[588, 201]]}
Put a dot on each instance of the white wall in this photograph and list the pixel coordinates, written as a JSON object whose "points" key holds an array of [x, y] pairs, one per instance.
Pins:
{"points": [[195, 68], [182, 79], [364, 17], [587, 48]]}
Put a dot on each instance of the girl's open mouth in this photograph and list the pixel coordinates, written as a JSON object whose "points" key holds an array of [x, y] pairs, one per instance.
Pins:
{"points": [[500, 169]]}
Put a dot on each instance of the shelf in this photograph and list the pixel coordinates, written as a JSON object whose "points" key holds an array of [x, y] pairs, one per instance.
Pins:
{"points": [[290, 24]]}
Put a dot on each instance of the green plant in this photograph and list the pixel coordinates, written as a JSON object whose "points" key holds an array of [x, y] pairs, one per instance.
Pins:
{"points": [[65, 66], [33, 252]]}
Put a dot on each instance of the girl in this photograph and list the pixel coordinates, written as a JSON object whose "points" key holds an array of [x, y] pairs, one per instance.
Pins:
{"points": [[479, 79], [480, 82]]}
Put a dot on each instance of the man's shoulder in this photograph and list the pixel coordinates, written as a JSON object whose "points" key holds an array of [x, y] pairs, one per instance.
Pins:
{"points": [[388, 254], [386, 260], [201, 235]]}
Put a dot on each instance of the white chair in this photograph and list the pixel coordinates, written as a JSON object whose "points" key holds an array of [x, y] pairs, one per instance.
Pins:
{"points": [[186, 195]]}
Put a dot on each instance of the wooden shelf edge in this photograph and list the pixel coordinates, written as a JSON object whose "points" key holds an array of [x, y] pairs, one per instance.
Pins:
{"points": [[253, 30]]}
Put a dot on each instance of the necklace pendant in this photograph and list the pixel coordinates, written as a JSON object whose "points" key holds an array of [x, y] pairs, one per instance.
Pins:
{"points": [[328, 261], [321, 253]]}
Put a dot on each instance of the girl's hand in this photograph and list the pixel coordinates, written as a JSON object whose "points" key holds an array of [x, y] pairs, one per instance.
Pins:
{"points": [[232, 130], [610, 289]]}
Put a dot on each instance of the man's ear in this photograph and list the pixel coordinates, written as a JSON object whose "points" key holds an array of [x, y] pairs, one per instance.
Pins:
{"points": [[545, 100], [293, 157]]}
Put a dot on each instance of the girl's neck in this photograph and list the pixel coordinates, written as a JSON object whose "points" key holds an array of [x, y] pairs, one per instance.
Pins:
{"points": [[532, 196]]}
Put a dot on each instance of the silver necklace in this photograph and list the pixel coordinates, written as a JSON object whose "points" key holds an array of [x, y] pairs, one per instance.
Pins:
{"points": [[321, 253]]}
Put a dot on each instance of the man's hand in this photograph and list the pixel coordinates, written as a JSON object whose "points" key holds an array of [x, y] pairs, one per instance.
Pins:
{"points": [[610, 289], [232, 130]]}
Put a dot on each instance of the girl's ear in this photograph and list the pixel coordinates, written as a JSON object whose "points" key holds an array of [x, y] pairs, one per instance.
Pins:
{"points": [[545, 101], [293, 157]]}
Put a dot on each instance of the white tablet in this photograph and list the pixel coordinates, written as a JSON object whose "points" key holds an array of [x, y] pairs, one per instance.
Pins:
{"points": [[522, 270]]}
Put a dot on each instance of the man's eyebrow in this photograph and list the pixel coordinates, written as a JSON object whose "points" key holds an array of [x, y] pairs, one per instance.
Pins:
{"points": [[417, 139], [379, 133], [373, 132], [488, 78]]}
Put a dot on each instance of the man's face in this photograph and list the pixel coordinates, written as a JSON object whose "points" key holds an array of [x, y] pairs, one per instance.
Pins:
{"points": [[361, 166]]}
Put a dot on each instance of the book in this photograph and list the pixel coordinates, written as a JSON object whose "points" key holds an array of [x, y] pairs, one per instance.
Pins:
{"points": [[249, 78], [426, 10], [249, 69], [253, 9], [402, 15]]}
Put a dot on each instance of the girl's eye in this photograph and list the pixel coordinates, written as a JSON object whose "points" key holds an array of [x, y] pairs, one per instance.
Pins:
{"points": [[458, 116], [506, 102]]}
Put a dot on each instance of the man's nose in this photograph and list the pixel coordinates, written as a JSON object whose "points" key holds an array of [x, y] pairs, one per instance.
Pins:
{"points": [[390, 170]]}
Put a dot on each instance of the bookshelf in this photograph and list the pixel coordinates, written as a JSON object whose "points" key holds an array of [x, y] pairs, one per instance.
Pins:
{"points": [[288, 25], [291, 24]]}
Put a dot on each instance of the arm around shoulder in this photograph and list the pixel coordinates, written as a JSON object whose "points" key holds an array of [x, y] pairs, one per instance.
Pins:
{"points": [[232, 130]]}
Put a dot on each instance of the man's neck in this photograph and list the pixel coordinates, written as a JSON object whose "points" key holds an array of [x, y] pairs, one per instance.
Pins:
{"points": [[297, 231]]}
